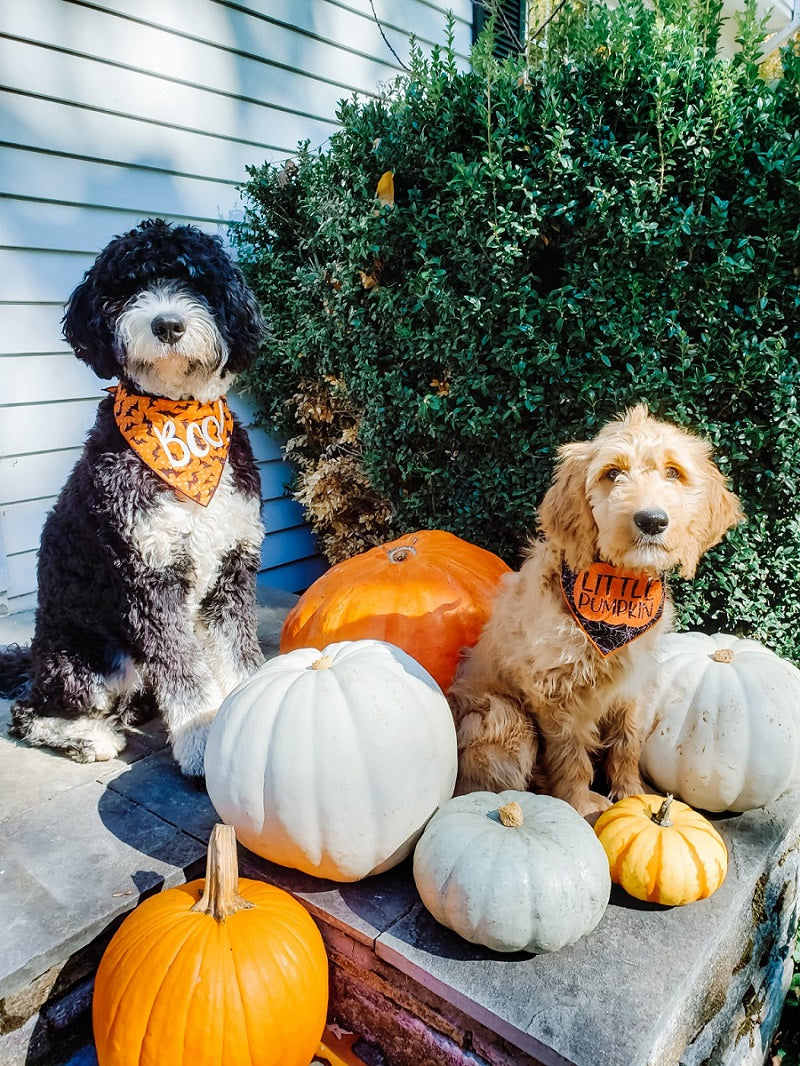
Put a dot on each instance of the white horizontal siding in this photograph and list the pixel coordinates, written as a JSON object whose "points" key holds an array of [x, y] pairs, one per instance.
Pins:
{"points": [[100, 91], [21, 575], [108, 136], [35, 276], [46, 378], [782, 19], [130, 186], [4, 579], [44, 427], [42, 473], [115, 111], [29, 327], [60, 227]]}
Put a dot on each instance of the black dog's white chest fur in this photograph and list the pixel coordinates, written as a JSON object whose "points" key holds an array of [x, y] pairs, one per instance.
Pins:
{"points": [[173, 530], [179, 533], [146, 597]]}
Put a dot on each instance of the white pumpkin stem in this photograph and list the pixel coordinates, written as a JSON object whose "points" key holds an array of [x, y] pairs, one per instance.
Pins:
{"points": [[723, 655], [511, 814], [661, 816], [220, 896], [324, 662]]}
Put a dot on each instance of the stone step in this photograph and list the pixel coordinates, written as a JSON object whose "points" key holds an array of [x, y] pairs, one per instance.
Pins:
{"points": [[700, 985]]}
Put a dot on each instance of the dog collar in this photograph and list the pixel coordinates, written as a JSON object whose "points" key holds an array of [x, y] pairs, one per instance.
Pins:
{"points": [[185, 442], [612, 606]]}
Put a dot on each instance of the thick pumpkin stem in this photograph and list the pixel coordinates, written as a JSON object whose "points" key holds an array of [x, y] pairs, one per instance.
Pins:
{"points": [[511, 814], [723, 655], [661, 816], [220, 896]]}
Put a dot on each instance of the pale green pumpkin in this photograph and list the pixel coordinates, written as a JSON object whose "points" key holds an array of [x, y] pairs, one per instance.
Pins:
{"points": [[512, 871]]}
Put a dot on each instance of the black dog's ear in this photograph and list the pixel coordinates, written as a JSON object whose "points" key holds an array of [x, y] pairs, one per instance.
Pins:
{"points": [[86, 329], [245, 325]]}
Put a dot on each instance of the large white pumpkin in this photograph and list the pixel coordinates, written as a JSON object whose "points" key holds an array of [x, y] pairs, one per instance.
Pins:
{"points": [[722, 722], [332, 762], [531, 877]]}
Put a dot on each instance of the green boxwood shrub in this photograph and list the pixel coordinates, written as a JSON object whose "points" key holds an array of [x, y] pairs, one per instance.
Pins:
{"points": [[616, 220]]}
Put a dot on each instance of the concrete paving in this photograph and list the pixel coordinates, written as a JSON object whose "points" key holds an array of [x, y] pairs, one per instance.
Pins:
{"points": [[80, 845]]}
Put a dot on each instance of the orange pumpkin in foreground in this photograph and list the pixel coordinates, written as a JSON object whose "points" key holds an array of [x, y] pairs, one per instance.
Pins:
{"points": [[429, 593], [213, 973]]}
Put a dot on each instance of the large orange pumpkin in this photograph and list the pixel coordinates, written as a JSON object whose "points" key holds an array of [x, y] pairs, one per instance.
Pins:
{"points": [[213, 973], [429, 593]]}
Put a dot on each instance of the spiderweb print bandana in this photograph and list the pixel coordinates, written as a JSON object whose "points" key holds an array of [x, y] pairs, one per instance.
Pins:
{"points": [[612, 606]]}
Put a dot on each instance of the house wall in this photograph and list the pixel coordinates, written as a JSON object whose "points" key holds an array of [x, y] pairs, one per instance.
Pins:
{"points": [[116, 110]]}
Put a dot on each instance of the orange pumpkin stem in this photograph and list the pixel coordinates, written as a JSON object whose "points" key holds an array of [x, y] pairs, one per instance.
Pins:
{"points": [[220, 896], [661, 816]]}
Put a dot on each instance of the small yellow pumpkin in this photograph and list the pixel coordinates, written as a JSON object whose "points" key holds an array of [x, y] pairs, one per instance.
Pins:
{"points": [[662, 851]]}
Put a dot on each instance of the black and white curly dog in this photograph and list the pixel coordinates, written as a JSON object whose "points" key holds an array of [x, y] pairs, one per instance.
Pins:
{"points": [[146, 584]]}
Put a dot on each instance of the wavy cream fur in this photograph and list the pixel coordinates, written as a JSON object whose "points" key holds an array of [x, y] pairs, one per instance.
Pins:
{"points": [[534, 702]]}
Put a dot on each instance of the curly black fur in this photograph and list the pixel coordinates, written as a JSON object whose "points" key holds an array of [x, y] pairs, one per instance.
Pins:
{"points": [[146, 599], [15, 670], [155, 250]]}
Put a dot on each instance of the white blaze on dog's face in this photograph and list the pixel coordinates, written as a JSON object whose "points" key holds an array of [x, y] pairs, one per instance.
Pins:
{"points": [[169, 344]]}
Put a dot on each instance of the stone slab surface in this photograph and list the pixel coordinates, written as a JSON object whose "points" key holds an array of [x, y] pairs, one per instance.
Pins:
{"points": [[32, 776], [67, 872], [361, 911], [82, 843], [643, 985], [651, 986]]}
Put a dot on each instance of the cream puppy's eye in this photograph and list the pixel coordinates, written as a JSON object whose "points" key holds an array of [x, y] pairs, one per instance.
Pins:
{"points": [[612, 473], [673, 473]]}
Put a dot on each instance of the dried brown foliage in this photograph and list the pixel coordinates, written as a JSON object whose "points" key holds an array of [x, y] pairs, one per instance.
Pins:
{"points": [[347, 515]]}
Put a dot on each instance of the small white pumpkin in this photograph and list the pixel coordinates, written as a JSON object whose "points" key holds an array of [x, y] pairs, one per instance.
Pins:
{"points": [[512, 871], [722, 722], [332, 762]]}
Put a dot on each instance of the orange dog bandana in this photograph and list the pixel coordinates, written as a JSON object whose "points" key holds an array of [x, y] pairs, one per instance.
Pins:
{"points": [[612, 607], [183, 441]]}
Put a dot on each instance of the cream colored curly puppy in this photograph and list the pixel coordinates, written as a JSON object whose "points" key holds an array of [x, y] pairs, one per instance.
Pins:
{"points": [[554, 680]]}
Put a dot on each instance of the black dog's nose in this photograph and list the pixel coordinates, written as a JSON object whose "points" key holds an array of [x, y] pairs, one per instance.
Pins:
{"points": [[168, 328], [651, 522]]}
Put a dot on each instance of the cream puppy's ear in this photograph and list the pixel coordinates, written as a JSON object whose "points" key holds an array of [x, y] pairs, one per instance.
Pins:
{"points": [[721, 512], [565, 516]]}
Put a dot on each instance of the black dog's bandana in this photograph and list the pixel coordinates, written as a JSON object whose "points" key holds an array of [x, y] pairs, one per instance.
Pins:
{"points": [[185, 442], [612, 606]]}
